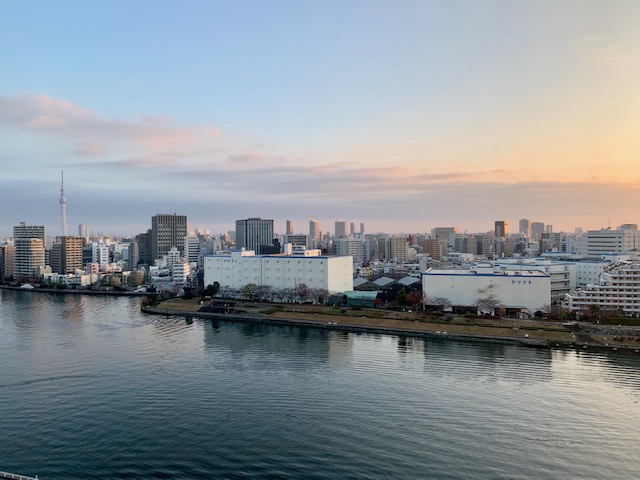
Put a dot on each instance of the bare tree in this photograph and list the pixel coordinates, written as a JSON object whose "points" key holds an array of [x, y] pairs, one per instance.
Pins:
{"points": [[263, 292], [319, 295], [441, 302], [302, 292], [487, 305], [288, 294]]}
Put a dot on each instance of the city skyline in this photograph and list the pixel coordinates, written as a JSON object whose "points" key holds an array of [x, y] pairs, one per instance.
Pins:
{"points": [[404, 117]]}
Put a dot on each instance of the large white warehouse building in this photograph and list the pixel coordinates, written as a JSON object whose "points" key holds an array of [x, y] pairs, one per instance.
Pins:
{"points": [[334, 274], [520, 289]]}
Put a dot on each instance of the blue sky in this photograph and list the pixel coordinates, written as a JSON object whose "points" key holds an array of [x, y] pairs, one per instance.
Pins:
{"points": [[404, 115]]}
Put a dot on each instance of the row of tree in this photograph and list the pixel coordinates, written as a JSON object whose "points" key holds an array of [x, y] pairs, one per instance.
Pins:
{"points": [[266, 293]]}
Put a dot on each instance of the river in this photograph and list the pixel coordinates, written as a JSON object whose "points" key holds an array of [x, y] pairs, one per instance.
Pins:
{"points": [[92, 388]]}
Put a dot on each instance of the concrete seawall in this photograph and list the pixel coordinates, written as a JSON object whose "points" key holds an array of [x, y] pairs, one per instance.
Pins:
{"points": [[345, 326]]}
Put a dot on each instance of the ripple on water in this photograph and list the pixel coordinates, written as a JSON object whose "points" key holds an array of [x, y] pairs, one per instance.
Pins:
{"points": [[93, 387]]}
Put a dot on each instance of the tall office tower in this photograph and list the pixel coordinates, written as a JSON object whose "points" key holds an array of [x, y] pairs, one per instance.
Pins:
{"points": [[548, 229], [63, 209], [341, 229], [167, 230], [537, 229], [525, 227], [314, 230], [289, 227], [143, 241], [252, 233], [361, 228], [501, 229], [83, 231], [352, 229], [29, 243]]}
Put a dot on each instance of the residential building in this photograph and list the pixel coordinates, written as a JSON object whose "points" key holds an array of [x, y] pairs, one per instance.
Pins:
{"points": [[314, 231], [399, 249], [340, 229], [70, 254], [617, 290], [29, 241], [191, 248], [7, 261]]}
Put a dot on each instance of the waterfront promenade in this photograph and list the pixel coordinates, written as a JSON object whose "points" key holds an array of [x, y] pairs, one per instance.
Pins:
{"points": [[532, 333]]}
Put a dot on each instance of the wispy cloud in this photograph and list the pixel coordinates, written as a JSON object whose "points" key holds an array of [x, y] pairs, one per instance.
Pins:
{"points": [[89, 149], [42, 113]]}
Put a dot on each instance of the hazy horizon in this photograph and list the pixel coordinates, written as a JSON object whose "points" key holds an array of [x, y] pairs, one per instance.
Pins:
{"points": [[402, 115]]}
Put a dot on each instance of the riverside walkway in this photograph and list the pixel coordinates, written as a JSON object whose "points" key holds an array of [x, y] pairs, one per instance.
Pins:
{"points": [[13, 476]]}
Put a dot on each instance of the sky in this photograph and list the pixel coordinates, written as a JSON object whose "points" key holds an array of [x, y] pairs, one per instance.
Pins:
{"points": [[405, 115]]}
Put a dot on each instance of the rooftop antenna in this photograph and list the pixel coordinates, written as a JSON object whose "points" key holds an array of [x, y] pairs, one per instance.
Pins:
{"points": [[63, 208]]}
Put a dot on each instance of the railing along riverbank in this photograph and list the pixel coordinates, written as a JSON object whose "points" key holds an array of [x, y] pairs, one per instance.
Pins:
{"points": [[13, 476]]}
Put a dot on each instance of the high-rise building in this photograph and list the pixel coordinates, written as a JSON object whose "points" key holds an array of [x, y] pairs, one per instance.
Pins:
{"points": [[30, 255], [167, 230], [252, 233], [501, 229], [314, 229], [143, 241], [29, 258], [525, 227], [191, 248], [7, 260], [314, 233], [537, 229], [83, 231], [341, 229], [71, 254], [297, 240], [361, 228], [352, 229], [289, 227], [63, 208], [399, 249]]}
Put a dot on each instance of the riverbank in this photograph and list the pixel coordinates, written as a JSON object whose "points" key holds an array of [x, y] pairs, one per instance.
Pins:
{"points": [[530, 333], [78, 291]]}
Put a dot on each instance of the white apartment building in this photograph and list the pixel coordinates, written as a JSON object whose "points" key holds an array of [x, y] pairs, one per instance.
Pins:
{"points": [[527, 290], [191, 248], [100, 254], [334, 274], [625, 239], [618, 288], [588, 272], [180, 273]]}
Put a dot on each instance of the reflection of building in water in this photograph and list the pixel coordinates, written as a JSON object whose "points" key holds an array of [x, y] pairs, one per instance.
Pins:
{"points": [[244, 338], [493, 361]]}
